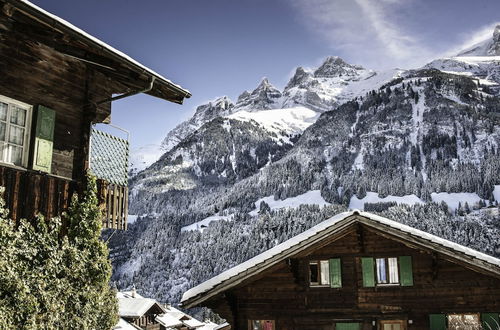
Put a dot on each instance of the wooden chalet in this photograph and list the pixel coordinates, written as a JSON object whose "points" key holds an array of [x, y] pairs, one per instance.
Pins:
{"points": [[358, 271], [138, 311], [56, 82], [144, 313]]}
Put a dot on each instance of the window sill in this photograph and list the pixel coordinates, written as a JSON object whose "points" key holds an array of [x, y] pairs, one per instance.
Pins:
{"points": [[319, 285], [24, 169], [390, 285]]}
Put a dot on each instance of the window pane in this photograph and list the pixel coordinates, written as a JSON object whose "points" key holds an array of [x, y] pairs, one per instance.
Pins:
{"points": [[463, 321], [256, 325], [16, 135], [18, 116], [313, 269], [3, 152], [381, 271], [268, 325], [393, 270], [325, 272], [3, 111], [3, 130], [15, 155]]}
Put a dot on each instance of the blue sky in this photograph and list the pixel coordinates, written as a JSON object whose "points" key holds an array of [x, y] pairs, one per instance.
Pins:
{"points": [[222, 47]]}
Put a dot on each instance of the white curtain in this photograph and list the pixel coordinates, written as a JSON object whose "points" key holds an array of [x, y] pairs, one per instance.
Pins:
{"points": [[325, 272], [381, 271], [393, 270]]}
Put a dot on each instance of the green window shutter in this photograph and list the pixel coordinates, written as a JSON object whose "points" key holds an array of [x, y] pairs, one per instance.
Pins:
{"points": [[490, 321], [437, 321], [347, 326], [405, 267], [335, 273], [368, 272], [44, 139]]}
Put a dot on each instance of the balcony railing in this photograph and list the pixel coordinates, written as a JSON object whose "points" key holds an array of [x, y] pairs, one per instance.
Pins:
{"points": [[28, 193], [109, 157]]}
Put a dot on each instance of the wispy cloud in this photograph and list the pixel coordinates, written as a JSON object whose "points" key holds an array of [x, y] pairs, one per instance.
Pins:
{"points": [[369, 31], [471, 39]]}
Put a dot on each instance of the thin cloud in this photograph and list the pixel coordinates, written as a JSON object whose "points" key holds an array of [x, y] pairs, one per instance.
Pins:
{"points": [[471, 39], [366, 30]]}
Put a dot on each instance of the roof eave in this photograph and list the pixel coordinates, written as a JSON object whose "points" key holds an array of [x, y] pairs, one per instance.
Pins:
{"points": [[164, 85]]}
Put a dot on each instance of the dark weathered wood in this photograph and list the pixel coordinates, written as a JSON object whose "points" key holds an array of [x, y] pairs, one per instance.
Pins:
{"points": [[440, 286], [43, 65]]}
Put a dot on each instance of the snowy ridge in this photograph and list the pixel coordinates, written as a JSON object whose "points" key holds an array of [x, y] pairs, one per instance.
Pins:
{"points": [[282, 122], [312, 197], [285, 249]]}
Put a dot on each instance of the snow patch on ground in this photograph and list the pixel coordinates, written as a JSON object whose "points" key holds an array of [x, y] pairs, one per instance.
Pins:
{"points": [[373, 197], [202, 224], [496, 193], [131, 218], [310, 197], [452, 199]]}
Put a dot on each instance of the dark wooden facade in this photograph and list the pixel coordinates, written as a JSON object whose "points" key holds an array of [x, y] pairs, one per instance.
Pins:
{"points": [[283, 293], [46, 62]]}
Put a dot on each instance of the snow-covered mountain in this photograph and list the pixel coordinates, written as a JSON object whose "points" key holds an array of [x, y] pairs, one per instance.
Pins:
{"points": [[481, 61], [321, 89], [488, 47], [428, 138]]}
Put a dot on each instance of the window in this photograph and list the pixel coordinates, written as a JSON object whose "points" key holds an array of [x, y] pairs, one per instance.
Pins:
{"points": [[319, 272], [387, 271], [463, 321], [262, 325], [393, 325], [325, 273], [15, 118]]}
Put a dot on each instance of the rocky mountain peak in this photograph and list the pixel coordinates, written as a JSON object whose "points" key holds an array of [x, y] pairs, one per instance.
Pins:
{"points": [[495, 47], [334, 66], [264, 96], [298, 78]]}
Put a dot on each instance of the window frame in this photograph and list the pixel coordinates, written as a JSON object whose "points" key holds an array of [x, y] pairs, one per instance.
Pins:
{"points": [[251, 321], [318, 284], [387, 271], [27, 130]]}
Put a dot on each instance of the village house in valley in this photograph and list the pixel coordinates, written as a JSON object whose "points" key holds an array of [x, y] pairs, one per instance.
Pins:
{"points": [[138, 312], [57, 81], [358, 271]]}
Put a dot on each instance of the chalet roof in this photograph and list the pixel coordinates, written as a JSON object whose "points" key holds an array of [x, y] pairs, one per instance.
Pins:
{"points": [[124, 325], [174, 317], [162, 87], [134, 305], [336, 224]]}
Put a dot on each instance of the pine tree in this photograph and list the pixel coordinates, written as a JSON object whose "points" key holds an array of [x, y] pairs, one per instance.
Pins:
{"points": [[54, 281]]}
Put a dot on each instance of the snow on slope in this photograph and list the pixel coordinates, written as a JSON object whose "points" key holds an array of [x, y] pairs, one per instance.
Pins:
{"points": [[310, 197], [453, 199], [496, 193], [291, 121], [142, 157], [373, 197], [202, 224]]}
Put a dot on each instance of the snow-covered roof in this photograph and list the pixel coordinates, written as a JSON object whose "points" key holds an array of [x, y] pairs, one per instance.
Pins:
{"points": [[131, 304], [168, 321], [61, 23], [174, 317], [337, 223], [124, 325]]}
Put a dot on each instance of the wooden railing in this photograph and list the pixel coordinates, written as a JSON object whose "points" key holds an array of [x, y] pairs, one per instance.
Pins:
{"points": [[29, 193], [114, 205]]}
